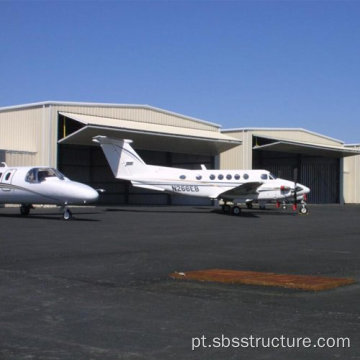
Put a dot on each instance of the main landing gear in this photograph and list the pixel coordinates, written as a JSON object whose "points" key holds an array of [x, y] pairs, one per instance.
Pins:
{"points": [[282, 205], [25, 209], [232, 210], [249, 204]]}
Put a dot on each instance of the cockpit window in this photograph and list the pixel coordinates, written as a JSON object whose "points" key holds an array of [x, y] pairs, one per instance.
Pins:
{"points": [[37, 175], [272, 177], [264, 177]]}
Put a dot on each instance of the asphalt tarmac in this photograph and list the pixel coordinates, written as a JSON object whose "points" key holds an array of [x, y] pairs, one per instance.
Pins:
{"points": [[97, 287]]}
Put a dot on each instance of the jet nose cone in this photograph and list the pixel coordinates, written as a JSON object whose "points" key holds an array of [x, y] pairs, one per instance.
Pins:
{"points": [[85, 194], [91, 195]]}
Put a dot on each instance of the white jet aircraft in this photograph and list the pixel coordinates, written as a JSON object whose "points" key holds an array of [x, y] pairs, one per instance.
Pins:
{"points": [[42, 185], [231, 186]]}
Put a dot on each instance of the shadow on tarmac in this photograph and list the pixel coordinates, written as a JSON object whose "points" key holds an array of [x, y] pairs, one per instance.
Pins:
{"points": [[159, 211], [197, 210], [56, 217]]}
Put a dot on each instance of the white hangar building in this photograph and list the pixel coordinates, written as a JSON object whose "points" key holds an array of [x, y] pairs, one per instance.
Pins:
{"points": [[59, 134], [324, 164]]}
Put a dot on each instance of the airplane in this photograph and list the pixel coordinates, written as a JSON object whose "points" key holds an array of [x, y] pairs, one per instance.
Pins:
{"points": [[42, 185], [230, 186]]}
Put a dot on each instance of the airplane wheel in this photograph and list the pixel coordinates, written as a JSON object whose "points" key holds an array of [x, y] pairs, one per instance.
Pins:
{"points": [[304, 210], [249, 205], [67, 214], [236, 211], [24, 210]]}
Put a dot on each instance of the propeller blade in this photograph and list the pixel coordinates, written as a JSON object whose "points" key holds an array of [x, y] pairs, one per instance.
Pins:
{"points": [[295, 186]]}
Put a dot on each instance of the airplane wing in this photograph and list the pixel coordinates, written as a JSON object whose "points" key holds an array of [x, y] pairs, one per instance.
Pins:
{"points": [[144, 186], [241, 190]]}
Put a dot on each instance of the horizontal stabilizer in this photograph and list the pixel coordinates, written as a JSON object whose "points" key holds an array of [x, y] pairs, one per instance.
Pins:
{"points": [[241, 190]]}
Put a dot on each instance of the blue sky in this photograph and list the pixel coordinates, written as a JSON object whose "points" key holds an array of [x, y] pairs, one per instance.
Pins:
{"points": [[236, 63]]}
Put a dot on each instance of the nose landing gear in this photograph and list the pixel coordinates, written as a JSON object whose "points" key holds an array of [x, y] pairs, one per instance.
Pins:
{"points": [[67, 214], [303, 208]]}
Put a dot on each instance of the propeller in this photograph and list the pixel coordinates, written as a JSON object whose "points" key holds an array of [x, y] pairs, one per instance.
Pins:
{"points": [[295, 186]]}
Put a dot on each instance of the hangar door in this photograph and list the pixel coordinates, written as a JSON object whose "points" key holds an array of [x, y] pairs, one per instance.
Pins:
{"points": [[87, 164], [320, 174]]}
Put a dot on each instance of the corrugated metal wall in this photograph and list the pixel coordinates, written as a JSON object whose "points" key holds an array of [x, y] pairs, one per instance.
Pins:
{"points": [[320, 174], [21, 130], [25, 131], [352, 177], [239, 157], [139, 114], [20, 158], [298, 135]]}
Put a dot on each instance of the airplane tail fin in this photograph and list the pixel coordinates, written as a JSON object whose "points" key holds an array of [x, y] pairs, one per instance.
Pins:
{"points": [[122, 158]]}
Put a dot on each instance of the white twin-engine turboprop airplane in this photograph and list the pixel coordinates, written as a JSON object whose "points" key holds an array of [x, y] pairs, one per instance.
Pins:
{"points": [[231, 186], [42, 185]]}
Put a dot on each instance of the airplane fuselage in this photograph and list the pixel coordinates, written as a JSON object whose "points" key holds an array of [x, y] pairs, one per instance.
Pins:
{"points": [[212, 183], [17, 186]]}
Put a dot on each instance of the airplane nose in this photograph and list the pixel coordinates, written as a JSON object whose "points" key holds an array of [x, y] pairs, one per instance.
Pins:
{"points": [[85, 194], [91, 195]]}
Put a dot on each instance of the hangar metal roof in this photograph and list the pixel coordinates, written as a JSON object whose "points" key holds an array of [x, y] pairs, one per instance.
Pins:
{"points": [[149, 136], [280, 130], [104, 105], [307, 149]]}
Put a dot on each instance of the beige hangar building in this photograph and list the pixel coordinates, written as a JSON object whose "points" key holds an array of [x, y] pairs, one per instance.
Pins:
{"points": [[59, 134]]}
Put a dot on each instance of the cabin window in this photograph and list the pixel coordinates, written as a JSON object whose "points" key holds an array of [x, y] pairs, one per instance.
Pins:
{"points": [[272, 177], [7, 177], [220, 177], [0, 175], [237, 177], [212, 177], [246, 176], [198, 177], [31, 176], [228, 176], [182, 177], [264, 177], [37, 175]]}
